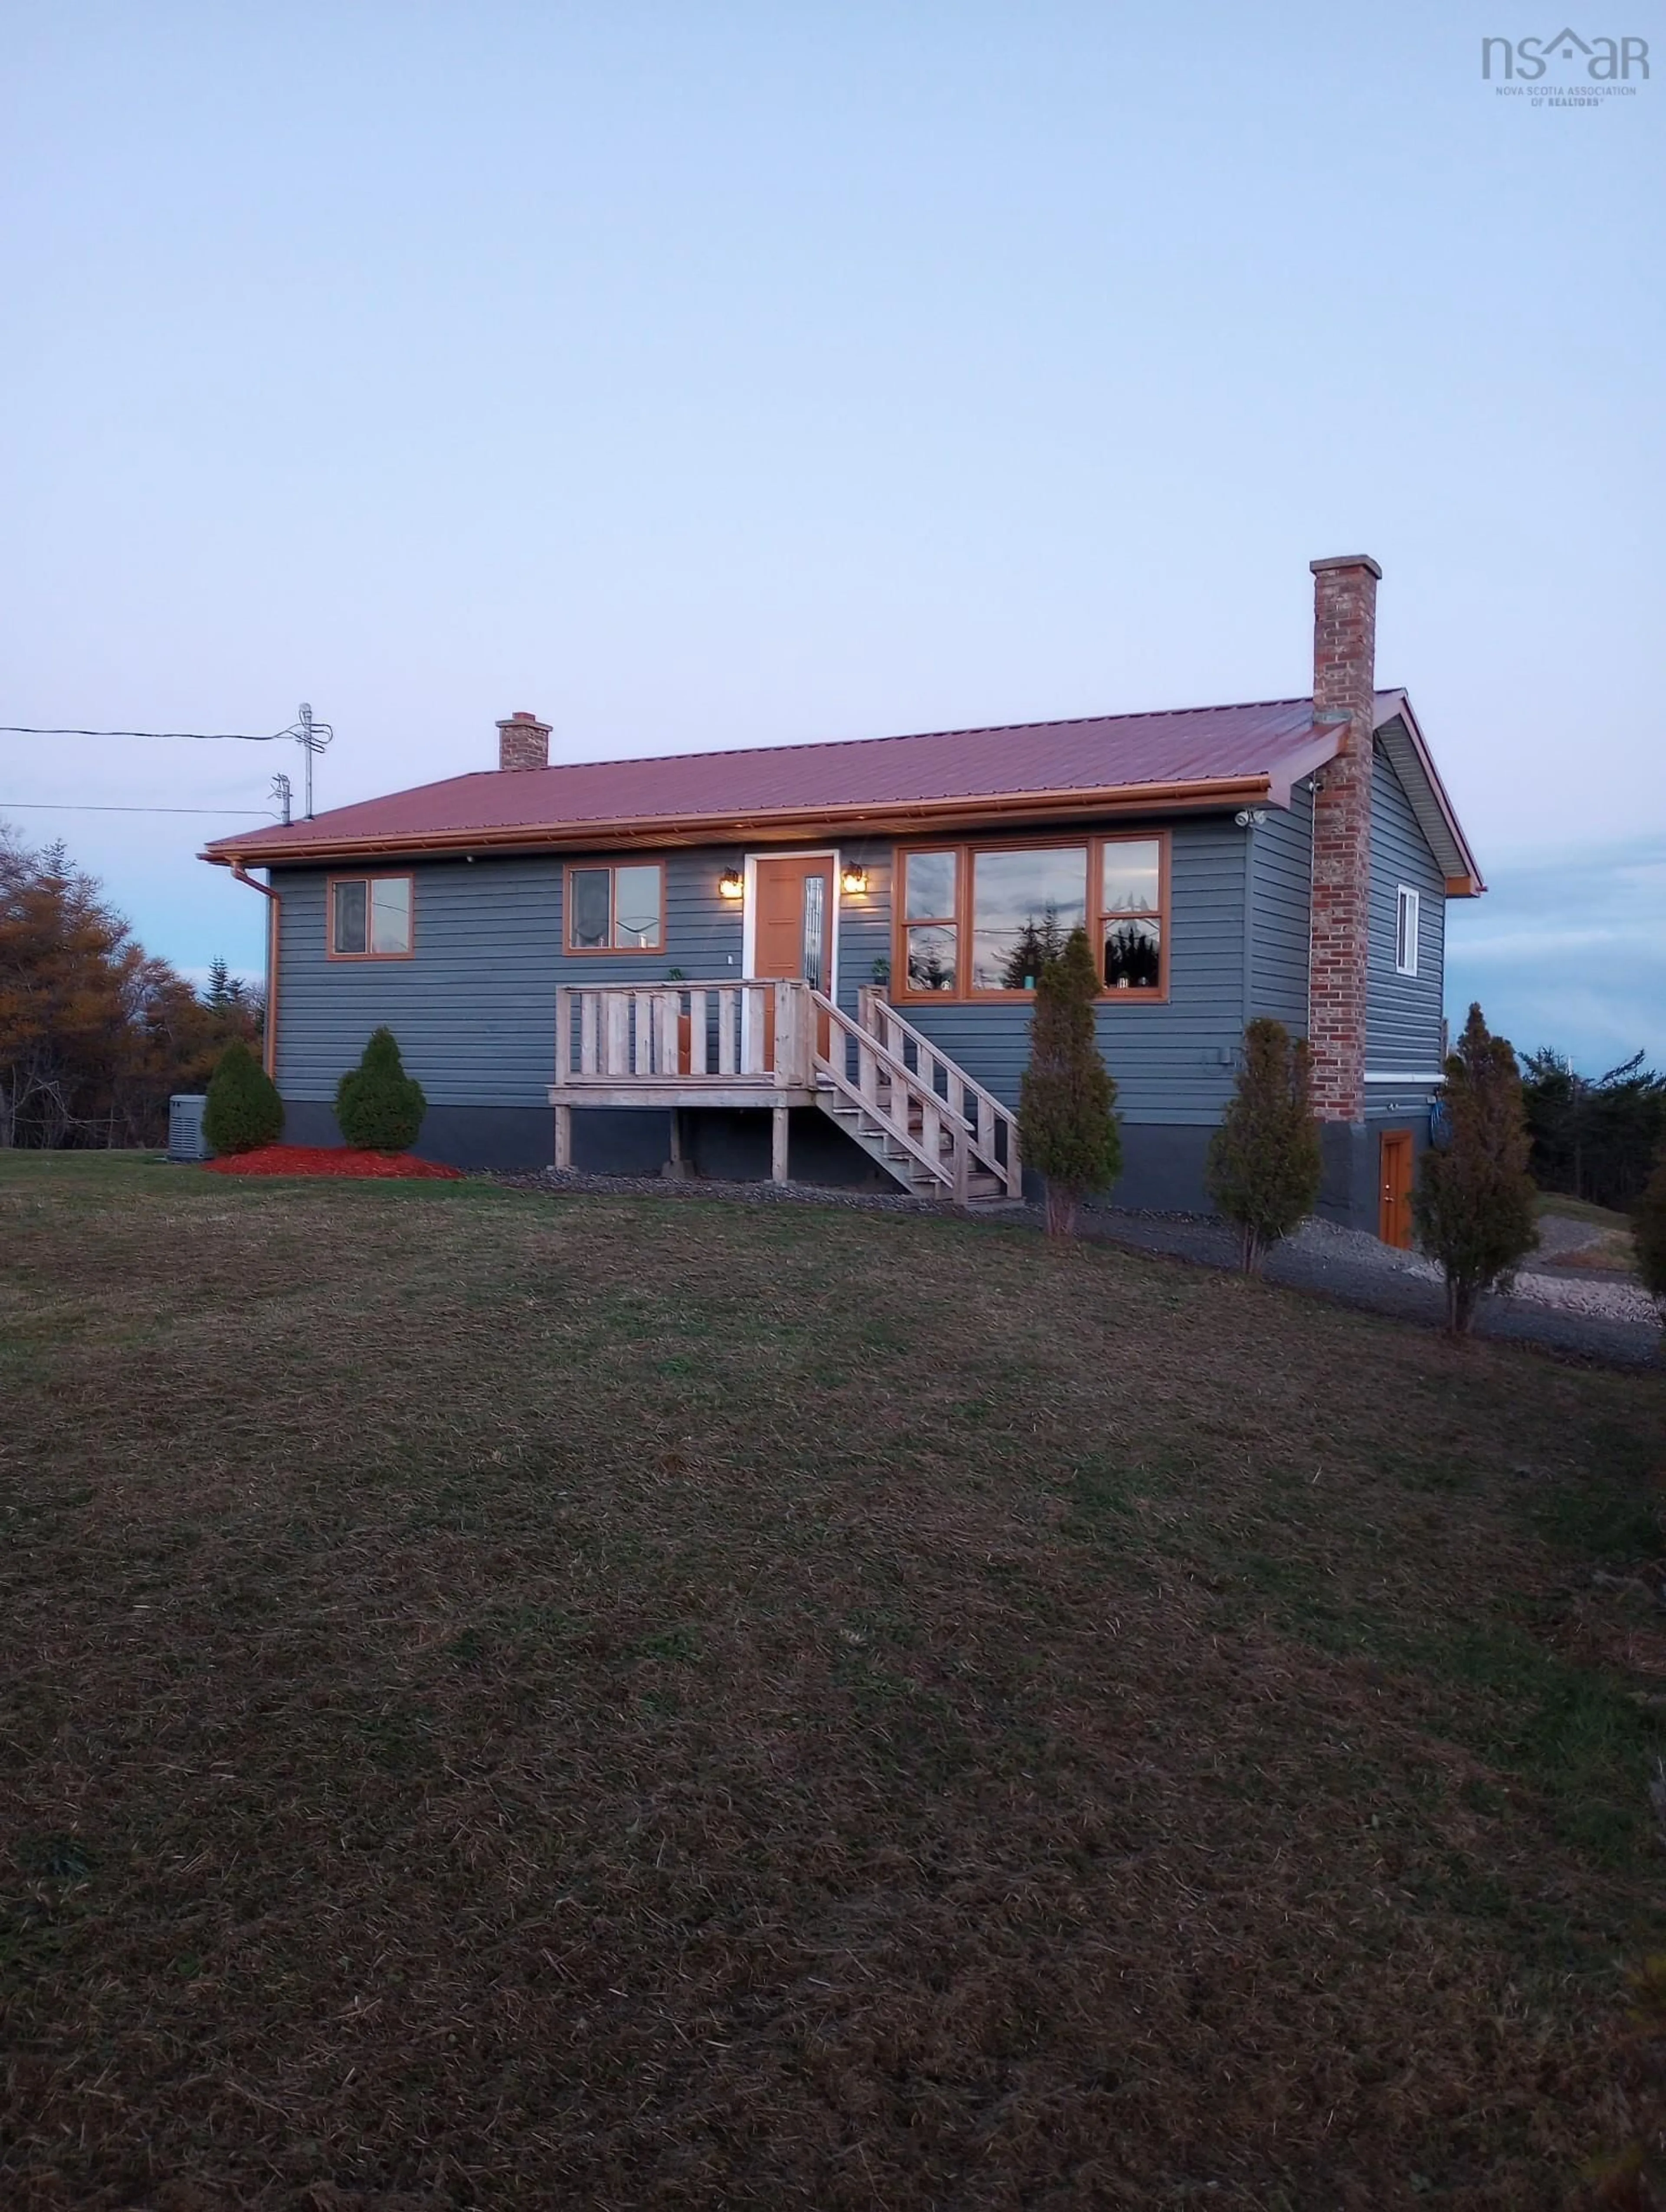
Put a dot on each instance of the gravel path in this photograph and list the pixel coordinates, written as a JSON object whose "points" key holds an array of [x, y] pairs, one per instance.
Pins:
{"points": [[1612, 1321], [1561, 1233], [1609, 1320]]}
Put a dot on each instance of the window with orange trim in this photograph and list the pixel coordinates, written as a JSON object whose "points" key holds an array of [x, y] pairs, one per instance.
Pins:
{"points": [[931, 933], [371, 917], [978, 921], [1129, 934], [616, 906]]}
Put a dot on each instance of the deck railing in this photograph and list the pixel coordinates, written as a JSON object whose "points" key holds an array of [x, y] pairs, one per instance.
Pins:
{"points": [[683, 1034]]}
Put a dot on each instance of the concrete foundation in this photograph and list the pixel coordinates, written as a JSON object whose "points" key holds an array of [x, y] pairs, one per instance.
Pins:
{"points": [[1163, 1162]]}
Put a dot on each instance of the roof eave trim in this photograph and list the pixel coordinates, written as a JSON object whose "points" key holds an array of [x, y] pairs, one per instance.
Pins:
{"points": [[1463, 881], [920, 816]]}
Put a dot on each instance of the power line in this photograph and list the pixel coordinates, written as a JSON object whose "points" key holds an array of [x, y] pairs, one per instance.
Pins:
{"points": [[198, 737], [311, 735], [48, 806]]}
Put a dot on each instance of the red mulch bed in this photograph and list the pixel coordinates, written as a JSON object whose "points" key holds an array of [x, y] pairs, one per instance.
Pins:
{"points": [[328, 1160]]}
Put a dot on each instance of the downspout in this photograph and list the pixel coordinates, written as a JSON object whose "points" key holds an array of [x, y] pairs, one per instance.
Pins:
{"points": [[1312, 788], [269, 1041], [1249, 921]]}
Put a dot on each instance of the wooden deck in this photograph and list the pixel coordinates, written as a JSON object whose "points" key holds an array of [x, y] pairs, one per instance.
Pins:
{"points": [[771, 1046]]}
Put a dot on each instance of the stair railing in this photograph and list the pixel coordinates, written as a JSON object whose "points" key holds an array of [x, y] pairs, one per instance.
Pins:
{"points": [[961, 1127], [994, 1127]]}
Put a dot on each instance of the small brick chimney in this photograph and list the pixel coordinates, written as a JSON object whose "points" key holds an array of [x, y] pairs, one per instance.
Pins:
{"points": [[1344, 692], [523, 741]]}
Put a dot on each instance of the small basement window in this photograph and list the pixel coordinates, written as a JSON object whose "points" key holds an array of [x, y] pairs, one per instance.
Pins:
{"points": [[617, 909], [1405, 931], [370, 917]]}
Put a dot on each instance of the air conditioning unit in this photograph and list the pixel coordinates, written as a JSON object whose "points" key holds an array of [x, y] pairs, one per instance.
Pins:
{"points": [[185, 1141]]}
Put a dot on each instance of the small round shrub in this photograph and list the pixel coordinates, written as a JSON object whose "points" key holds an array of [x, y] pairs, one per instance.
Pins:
{"points": [[378, 1107], [242, 1110]]}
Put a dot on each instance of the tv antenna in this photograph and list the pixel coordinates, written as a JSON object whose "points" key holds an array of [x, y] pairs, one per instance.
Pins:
{"points": [[311, 737]]}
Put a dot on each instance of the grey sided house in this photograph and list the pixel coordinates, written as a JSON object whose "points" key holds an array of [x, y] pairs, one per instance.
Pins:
{"points": [[818, 960]]}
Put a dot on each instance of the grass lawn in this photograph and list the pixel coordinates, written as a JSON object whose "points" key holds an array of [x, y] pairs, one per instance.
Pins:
{"points": [[1615, 1249], [604, 1702]]}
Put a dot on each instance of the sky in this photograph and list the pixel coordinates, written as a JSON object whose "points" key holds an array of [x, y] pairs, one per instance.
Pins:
{"points": [[701, 372]]}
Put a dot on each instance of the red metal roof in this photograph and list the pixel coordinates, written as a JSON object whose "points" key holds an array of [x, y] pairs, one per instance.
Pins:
{"points": [[1200, 746]]}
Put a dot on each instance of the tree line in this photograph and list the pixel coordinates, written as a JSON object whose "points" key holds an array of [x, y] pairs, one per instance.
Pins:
{"points": [[96, 1033], [1594, 1137]]}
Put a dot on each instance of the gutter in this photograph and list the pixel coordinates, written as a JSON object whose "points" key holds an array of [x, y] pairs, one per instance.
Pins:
{"points": [[268, 1038], [913, 818]]}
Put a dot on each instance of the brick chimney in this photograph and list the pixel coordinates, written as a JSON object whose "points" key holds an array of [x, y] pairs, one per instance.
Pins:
{"points": [[523, 741], [1344, 688]]}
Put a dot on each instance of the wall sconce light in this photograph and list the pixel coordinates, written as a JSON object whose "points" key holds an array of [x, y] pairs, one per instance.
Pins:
{"points": [[853, 881], [731, 885]]}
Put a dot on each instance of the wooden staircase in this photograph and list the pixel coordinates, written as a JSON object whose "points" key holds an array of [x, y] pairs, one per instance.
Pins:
{"points": [[913, 1110]]}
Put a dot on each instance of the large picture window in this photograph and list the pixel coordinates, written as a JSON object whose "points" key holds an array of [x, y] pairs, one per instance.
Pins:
{"points": [[616, 908], [1024, 905], [370, 917], [978, 921]]}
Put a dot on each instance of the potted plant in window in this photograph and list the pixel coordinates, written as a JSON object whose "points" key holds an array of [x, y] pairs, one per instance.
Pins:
{"points": [[876, 993]]}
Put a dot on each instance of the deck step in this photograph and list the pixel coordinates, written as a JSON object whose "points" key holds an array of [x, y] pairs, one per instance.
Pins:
{"points": [[869, 1129]]}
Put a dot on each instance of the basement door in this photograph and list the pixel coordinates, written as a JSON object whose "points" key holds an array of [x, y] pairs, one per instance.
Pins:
{"points": [[1394, 1181]]}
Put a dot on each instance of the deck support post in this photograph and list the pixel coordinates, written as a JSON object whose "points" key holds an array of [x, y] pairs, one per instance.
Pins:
{"points": [[677, 1168], [780, 1123], [563, 1136]]}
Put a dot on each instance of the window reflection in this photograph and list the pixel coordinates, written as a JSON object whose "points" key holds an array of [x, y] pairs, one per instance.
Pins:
{"points": [[616, 909], [349, 918], [590, 903], [1134, 954], [1024, 906], [814, 896], [977, 921], [370, 917], [1130, 869], [1130, 910], [636, 907], [390, 915], [931, 887], [931, 957]]}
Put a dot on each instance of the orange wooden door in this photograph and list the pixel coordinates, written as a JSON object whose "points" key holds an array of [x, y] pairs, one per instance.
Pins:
{"points": [[793, 932], [1394, 1212]]}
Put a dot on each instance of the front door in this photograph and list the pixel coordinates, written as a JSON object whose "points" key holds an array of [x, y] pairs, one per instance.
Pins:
{"points": [[1394, 1212], [793, 934]]}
